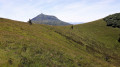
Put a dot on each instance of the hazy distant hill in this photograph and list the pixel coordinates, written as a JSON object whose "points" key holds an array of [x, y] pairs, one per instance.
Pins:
{"points": [[48, 19], [74, 23]]}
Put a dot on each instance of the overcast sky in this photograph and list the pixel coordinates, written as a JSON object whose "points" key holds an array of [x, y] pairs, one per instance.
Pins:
{"points": [[66, 10]]}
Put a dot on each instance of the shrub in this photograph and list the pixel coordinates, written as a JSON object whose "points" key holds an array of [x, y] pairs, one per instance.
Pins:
{"points": [[10, 61], [119, 39], [72, 27], [30, 22], [113, 20]]}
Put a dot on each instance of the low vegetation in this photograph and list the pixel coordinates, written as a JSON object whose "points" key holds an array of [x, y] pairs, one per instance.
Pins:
{"points": [[91, 44], [99, 40], [114, 21]]}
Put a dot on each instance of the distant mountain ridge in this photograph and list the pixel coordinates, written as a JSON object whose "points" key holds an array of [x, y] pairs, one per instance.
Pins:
{"points": [[48, 19], [74, 23]]}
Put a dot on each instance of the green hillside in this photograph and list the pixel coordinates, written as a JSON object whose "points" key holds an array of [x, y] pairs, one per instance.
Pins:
{"points": [[98, 39], [86, 45]]}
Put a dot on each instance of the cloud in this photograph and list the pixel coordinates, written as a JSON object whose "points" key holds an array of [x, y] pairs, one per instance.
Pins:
{"points": [[66, 10], [82, 11]]}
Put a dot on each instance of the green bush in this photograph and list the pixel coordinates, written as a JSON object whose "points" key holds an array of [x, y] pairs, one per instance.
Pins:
{"points": [[113, 20], [119, 39]]}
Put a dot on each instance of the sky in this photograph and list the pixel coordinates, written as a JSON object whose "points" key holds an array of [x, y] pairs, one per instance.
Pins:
{"points": [[72, 11]]}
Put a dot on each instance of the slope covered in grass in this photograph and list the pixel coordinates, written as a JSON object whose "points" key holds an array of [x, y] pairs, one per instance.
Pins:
{"points": [[87, 45], [98, 39]]}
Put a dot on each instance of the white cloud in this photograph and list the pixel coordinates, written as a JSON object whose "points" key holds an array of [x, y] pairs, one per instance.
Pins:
{"points": [[66, 10], [81, 11]]}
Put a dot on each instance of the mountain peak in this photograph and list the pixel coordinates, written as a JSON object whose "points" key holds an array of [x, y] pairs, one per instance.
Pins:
{"points": [[41, 14], [48, 19]]}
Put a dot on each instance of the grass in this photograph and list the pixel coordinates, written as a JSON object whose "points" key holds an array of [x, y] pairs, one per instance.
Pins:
{"points": [[87, 45], [99, 40]]}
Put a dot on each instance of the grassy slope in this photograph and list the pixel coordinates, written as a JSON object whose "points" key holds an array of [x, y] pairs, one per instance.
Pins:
{"points": [[37, 45], [99, 40]]}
